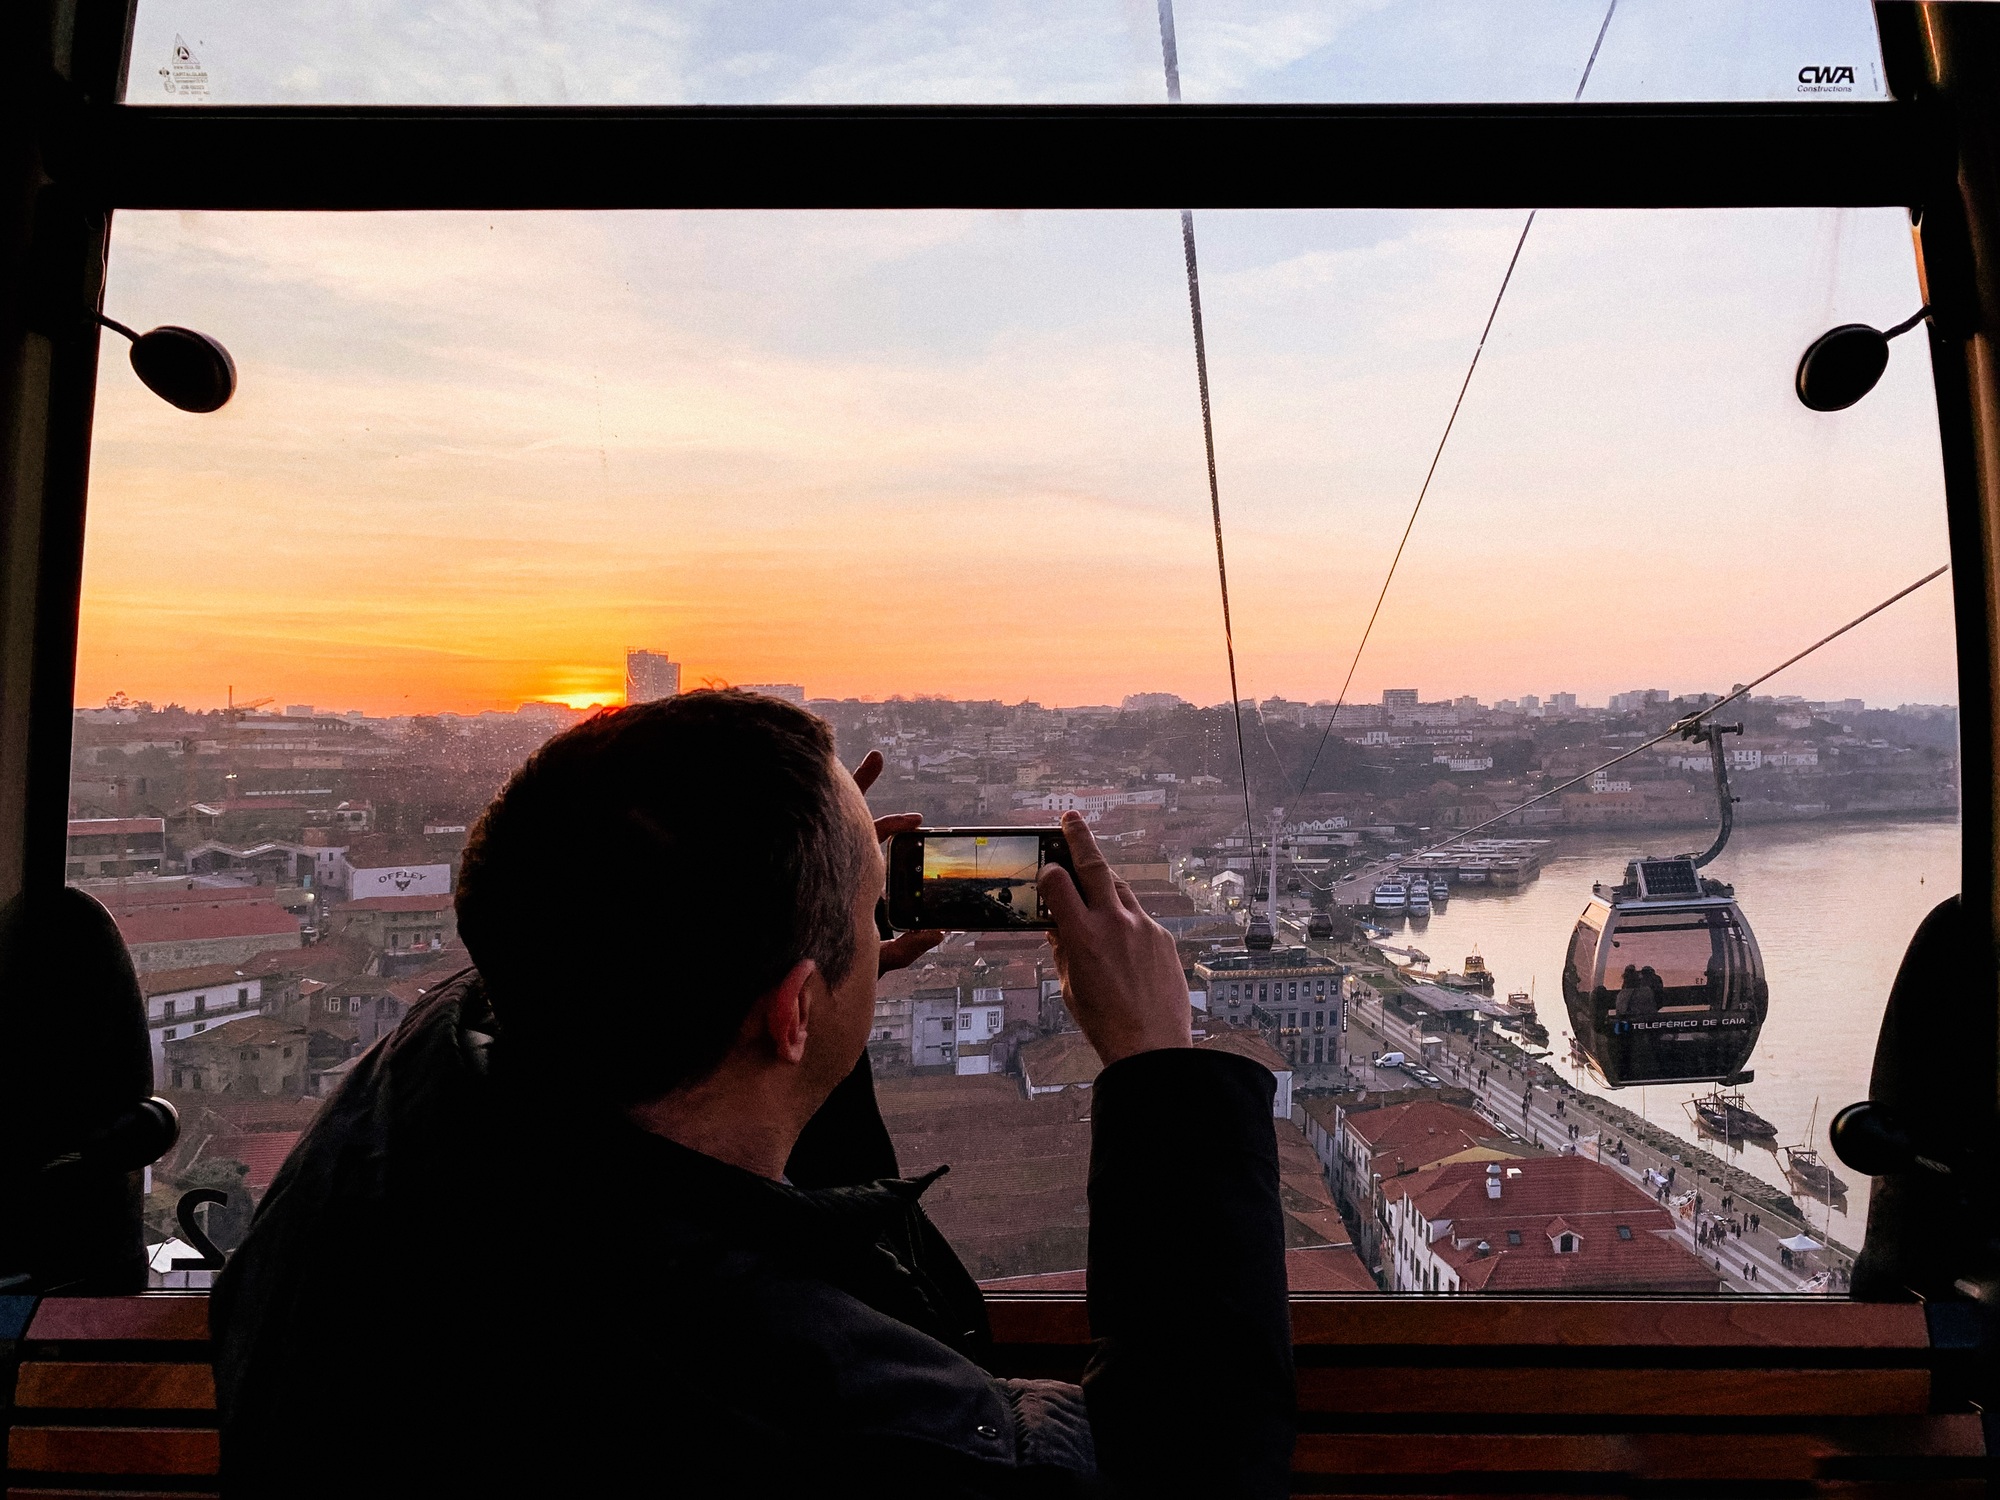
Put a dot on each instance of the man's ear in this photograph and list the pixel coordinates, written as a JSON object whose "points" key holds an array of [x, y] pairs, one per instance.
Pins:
{"points": [[783, 1013]]}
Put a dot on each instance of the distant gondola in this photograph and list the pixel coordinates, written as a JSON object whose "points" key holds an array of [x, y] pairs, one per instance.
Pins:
{"points": [[1663, 979]]}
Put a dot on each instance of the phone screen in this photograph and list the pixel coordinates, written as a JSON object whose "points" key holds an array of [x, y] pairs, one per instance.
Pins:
{"points": [[971, 879], [980, 881]]}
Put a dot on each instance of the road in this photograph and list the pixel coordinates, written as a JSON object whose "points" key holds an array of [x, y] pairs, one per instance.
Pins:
{"points": [[1544, 1112]]}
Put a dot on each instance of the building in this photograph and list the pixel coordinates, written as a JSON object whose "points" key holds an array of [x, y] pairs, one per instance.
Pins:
{"points": [[399, 924], [791, 692], [1066, 1060], [197, 930], [1375, 1147], [260, 1056], [979, 1022], [1562, 1224], [1151, 702], [934, 1026], [1637, 699], [115, 846], [182, 1002], [1054, 1063], [1290, 996], [649, 675], [1248, 1044]]}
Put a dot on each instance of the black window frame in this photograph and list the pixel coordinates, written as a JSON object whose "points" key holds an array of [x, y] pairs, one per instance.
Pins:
{"points": [[81, 154]]}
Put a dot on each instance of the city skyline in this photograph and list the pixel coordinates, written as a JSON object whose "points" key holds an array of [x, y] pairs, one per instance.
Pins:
{"points": [[1545, 704]]}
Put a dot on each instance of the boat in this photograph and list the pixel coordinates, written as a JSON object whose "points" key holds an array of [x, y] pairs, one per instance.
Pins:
{"points": [[1727, 1116], [1440, 890], [1419, 898], [1391, 895], [1811, 1175], [1477, 974], [1521, 1003], [1805, 1171]]}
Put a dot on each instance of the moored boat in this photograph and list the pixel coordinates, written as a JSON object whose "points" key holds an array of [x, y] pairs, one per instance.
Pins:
{"points": [[1391, 895], [1726, 1115], [1808, 1173]]}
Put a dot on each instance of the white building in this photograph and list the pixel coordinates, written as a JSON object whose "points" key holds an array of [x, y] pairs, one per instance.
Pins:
{"points": [[978, 1023], [181, 1002]]}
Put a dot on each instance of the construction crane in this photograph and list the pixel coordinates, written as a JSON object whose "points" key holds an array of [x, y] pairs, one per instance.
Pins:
{"points": [[232, 719]]}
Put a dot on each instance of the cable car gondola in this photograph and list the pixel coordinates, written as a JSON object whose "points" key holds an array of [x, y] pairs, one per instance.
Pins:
{"points": [[1663, 979]]}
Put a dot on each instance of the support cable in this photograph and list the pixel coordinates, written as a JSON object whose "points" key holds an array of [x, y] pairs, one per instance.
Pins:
{"points": [[1170, 56], [1680, 726], [1450, 422]]}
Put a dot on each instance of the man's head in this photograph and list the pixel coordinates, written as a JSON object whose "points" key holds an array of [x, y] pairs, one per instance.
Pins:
{"points": [[666, 885]]}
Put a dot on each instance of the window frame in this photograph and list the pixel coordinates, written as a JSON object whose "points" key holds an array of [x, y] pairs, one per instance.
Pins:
{"points": [[83, 155]]}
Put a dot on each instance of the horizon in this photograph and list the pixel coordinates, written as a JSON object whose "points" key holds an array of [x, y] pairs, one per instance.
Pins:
{"points": [[277, 709]]}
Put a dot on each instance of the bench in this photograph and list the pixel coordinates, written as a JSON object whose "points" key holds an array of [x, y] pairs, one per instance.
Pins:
{"points": [[1404, 1396]]}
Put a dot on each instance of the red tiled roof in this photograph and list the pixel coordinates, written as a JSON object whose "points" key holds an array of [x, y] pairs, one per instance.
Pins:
{"points": [[397, 903], [1246, 1044], [80, 826], [263, 1153], [1540, 1198], [178, 893], [1413, 1137], [200, 977], [191, 921], [1064, 1060], [1327, 1268]]}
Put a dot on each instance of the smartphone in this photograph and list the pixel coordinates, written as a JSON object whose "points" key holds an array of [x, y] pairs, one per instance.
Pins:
{"points": [[972, 879]]}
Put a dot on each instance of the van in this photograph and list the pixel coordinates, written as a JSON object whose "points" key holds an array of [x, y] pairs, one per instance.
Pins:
{"points": [[1390, 1060]]}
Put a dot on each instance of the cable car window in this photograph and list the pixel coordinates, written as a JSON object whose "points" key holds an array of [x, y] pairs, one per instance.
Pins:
{"points": [[943, 478], [581, 52]]}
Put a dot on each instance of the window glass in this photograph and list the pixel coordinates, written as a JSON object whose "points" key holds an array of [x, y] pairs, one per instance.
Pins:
{"points": [[940, 477], [1013, 51]]}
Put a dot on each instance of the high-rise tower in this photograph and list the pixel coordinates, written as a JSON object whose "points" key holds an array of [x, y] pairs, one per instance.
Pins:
{"points": [[649, 675]]}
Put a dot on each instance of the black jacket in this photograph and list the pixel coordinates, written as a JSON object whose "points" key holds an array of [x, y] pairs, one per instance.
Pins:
{"points": [[462, 1283]]}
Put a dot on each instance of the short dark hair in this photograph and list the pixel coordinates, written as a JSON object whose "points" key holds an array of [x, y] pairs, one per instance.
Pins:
{"points": [[650, 872]]}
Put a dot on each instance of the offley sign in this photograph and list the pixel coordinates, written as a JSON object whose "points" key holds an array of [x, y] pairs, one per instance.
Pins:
{"points": [[401, 880]]}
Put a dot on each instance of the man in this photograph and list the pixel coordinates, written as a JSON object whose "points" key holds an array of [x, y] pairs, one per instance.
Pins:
{"points": [[617, 1211]]}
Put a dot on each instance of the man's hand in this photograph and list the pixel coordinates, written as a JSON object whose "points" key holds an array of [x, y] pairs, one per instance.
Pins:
{"points": [[906, 948], [1120, 971]]}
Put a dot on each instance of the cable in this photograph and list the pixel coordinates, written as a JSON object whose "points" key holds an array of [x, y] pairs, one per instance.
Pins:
{"points": [[1688, 722], [1450, 422], [1170, 56]]}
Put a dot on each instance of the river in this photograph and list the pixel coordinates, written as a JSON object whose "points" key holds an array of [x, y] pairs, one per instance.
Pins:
{"points": [[1833, 906]]}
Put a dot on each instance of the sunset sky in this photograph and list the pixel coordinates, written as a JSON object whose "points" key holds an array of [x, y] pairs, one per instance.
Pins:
{"points": [[994, 858], [474, 458]]}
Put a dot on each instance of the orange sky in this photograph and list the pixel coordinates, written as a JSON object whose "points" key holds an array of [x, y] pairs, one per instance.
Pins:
{"points": [[474, 459]]}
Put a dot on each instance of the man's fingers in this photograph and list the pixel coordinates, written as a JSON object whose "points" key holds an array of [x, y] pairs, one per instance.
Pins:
{"points": [[902, 951], [896, 823], [1125, 897], [1059, 894], [868, 770], [1093, 871]]}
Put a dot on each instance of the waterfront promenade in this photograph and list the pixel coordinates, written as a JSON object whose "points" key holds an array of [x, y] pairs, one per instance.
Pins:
{"points": [[1534, 1102]]}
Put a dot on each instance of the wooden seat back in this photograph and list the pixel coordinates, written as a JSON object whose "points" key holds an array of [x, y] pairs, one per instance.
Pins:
{"points": [[1406, 1396]]}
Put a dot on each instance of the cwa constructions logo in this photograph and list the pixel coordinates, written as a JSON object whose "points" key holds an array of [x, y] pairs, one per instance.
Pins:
{"points": [[1826, 78]]}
